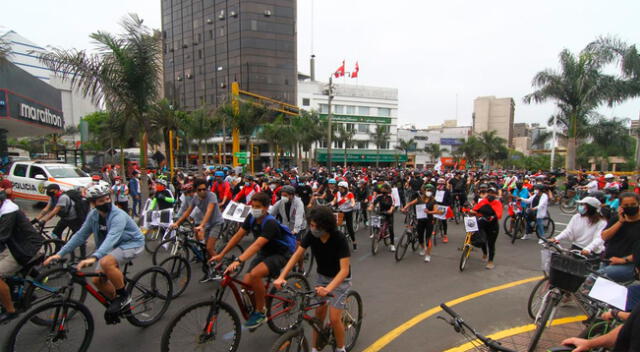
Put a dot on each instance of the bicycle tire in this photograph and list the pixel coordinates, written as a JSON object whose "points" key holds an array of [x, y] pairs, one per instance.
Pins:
{"points": [[57, 306], [308, 263], [211, 307], [291, 341], [508, 225], [350, 321], [464, 257], [456, 214], [152, 240], [45, 278], [414, 241], [541, 324], [536, 296], [356, 221], [173, 248], [300, 284], [568, 206], [549, 228], [375, 242], [180, 272], [403, 244], [143, 295], [516, 230]]}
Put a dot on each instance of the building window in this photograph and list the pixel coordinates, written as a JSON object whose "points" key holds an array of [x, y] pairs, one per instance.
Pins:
{"points": [[210, 34], [324, 108], [363, 110], [351, 110], [306, 102], [254, 25], [337, 144], [385, 112], [339, 109], [199, 53], [362, 144], [350, 127], [362, 128]]}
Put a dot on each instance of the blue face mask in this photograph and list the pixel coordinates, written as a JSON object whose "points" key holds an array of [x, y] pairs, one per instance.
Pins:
{"points": [[582, 209], [607, 196]]}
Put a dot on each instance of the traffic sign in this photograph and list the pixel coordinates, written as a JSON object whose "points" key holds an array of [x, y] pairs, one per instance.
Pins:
{"points": [[242, 154], [242, 160]]}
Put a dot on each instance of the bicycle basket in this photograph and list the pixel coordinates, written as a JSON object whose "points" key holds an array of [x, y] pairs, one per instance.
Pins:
{"points": [[567, 273]]}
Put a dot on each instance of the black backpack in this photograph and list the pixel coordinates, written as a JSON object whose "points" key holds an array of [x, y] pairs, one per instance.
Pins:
{"points": [[80, 204]]}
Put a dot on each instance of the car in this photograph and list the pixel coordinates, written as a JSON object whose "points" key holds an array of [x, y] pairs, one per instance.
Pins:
{"points": [[30, 178]]}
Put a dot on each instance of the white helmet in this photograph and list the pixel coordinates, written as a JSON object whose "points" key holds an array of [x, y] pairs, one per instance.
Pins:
{"points": [[97, 191], [343, 184], [609, 176]]}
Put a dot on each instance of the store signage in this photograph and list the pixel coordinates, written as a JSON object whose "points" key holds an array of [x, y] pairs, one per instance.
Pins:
{"points": [[360, 119], [42, 115], [28, 109], [451, 141]]}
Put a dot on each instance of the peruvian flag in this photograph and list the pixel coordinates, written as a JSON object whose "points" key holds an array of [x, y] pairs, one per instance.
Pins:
{"points": [[340, 71], [354, 74]]}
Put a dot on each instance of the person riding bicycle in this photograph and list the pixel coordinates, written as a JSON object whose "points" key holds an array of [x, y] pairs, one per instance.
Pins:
{"points": [[60, 204], [538, 203], [163, 197], [611, 199], [20, 245], [385, 205], [331, 251], [611, 182], [249, 189], [585, 227], [291, 210], [521, 192], [118, 241], [489, 208], [362, 197], [345, 201], [270, 253], [424, 226], [443, 197], [221, 188], [304, 190], [134, 191], [458, 186]]}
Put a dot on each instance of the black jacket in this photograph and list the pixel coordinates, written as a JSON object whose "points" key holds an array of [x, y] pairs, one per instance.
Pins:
{"points": [[18, 235]]}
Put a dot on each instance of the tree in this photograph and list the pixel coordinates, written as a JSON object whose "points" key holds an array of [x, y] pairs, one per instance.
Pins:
{"points": [[164, 117], [578, 89], [308, 129], [201, 125], [344, 136], [380, 138], [471, 149], [406, 146], [610, 137], [247, 119], [433, 150], [273, 133], [613, 50], [493, 147]]}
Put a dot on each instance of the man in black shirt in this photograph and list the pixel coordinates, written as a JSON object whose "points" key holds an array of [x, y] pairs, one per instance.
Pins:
{"points": [[331, 251], [622, 234], [271, 256]]}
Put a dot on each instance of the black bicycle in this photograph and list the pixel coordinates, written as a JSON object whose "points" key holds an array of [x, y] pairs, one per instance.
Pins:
{"points": [[479, 342], [409, 237]]}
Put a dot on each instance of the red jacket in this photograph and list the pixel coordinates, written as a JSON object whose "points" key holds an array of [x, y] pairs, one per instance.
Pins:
{"points": [[247, 192], [222, 189], [496, 205]]}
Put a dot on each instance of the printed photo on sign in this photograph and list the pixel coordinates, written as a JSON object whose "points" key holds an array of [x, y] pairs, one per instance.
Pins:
{"points": [[442, 209], [396, 197], [471, 224]]}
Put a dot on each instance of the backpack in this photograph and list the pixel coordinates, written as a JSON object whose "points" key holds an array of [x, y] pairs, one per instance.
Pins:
{"points": [[286, 239], [80, 204]]}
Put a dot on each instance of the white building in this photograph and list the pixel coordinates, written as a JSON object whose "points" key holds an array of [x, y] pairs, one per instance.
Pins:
{"points": [[448, 137], [358, 108], [24, 54]]}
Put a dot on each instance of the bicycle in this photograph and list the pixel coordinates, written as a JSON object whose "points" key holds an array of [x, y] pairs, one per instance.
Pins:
{"points": [[409, 237], [52, 244], [221, 324], [467, 245], [479, 342], [295, 340], [379, 232], [58, 329], [342, 225], [569, 205], [456, 207], [438, 230], [514, 224]]}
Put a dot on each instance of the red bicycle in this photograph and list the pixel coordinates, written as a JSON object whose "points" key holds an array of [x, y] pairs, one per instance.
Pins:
{"points": [[214, 324]]}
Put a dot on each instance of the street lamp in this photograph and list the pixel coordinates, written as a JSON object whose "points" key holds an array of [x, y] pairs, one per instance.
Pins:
{"points": [[329, 92]]}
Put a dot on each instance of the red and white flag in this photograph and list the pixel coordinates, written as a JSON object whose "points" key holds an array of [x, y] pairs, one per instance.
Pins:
{"points": [[340, 71], [354, 74]]}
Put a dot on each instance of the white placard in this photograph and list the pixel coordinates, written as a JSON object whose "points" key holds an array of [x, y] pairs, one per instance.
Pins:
{"points": [[420, 214], [375, 221], [396, 197], [609, 292], [443, 210], [471, 224], [237, 212], [165, 217], [439, 196]]}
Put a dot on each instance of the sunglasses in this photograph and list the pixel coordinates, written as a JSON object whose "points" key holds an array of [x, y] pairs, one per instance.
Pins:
{"points": [[201, 189]]}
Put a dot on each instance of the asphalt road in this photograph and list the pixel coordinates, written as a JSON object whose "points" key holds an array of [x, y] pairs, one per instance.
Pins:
{"points": [[393, 293]]}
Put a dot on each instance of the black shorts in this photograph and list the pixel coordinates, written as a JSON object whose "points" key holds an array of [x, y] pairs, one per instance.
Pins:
{"points": [[274, 263]]}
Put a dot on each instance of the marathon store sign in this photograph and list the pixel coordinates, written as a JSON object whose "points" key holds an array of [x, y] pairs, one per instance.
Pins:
{"points": [[359, 119], [29, 110]]}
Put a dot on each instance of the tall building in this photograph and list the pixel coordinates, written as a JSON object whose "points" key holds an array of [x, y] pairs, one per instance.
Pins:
{"points": [[494, 114], [449, 138], [209, 44]]}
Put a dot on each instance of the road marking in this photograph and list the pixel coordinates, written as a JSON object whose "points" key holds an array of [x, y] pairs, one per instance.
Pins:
{"points": [[561, 223], [393, 334], [516, 331]]}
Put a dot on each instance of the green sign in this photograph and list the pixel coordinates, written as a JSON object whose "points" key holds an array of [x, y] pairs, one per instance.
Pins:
{"points": [[242, 154], [242, 160], [359, 119], [360, 156]]}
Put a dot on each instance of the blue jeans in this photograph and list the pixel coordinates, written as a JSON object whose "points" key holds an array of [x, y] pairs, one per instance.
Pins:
{"points": [[136, 205], [619, 273], [539, 227]]}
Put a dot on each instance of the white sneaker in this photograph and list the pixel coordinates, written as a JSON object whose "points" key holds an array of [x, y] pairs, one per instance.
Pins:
{"points": [[427, 258], [422, 252], [525, 236], [371, 235], [392, 248]]}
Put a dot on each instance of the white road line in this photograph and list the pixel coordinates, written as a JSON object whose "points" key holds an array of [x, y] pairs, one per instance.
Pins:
{"points": [[561, 223]]}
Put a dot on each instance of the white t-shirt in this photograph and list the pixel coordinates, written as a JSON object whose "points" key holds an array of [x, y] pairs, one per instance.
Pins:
{"points": [[592, 186]]}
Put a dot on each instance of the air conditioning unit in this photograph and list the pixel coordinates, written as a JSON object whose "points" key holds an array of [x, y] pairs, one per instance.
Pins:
{"points": [[233, 14], [184, 46], [267, 13], [189, 76], [209, 21], [221, 15], [223, 85], [179, 78]]}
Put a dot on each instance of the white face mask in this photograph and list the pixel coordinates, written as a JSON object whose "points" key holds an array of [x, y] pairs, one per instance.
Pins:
{"points": [[429, 194], [256, 213], [285, 199], [272, 187]]}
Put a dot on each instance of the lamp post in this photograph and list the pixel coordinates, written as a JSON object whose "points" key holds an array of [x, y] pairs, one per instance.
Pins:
{"points": [[329, 92]]}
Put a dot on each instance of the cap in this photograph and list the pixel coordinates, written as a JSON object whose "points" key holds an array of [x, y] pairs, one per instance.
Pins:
{"points": [[53, 186], [288, 190], [592, 201], [609, 176]]}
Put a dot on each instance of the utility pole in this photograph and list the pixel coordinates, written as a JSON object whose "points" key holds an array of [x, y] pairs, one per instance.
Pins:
{"points": [[553, 141], [329, 127]]}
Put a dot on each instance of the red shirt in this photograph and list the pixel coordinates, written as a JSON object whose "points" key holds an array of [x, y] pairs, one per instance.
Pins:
{"points": [[222, 189], [496, 205], [601, 182]]}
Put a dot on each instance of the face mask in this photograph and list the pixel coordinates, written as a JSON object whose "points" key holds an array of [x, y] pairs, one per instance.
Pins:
{"points": [[105, 208], [582, 209], [429, 194], [272, 187], [247, 183], [117, 182], [285, 199], [491, 198], [607, 197], [630, 211], [256, 213], [317, 233], [52, 194]]}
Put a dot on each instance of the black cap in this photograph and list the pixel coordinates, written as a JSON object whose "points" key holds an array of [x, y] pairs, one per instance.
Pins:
{"points": [[53, 186]]}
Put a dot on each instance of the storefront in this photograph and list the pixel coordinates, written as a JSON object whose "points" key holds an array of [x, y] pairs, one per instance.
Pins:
{"points": [[362, 157]]}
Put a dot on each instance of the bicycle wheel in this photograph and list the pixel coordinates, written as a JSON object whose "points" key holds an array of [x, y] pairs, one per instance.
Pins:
{"points": [[204, 325], [537, 297], [403, 243], [180, 272], [414, 241], [549, 227], [375, 242], [457, 216], [291, 341], [356, 221], [541, 324], [464, 257], [568, 206], [352, 319], [150, 291], [152, 239], [308, 263], [508, 225], [169, 248], [517, 230], [284, 308], [60, 334], [54, 278]]}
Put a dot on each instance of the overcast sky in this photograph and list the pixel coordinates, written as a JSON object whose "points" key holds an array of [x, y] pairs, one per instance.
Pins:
{"points": [[430, 50]]}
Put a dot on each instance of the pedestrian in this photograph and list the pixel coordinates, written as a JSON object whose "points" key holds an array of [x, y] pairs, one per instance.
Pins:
{"points": [[134, 191]]}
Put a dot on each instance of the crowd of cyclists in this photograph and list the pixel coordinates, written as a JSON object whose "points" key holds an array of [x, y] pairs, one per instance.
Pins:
{"points": [[292, 211]]}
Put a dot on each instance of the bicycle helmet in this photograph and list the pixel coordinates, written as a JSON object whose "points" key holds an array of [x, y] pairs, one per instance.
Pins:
{"points": [[288, 190], [540, 186], [343, 184], [96, 191], [162, 181], [332, 181], [218, 174], [428, 187]]}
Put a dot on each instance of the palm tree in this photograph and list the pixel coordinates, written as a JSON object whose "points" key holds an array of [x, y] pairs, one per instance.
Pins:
{"points": [[406, 147], [434, 150], [611, 138], [164, 117], [309, 130], [345, 137], [611, 49], [274, 134], [578, 89], [200, 126], [380, 138], [225, 114], [493, 147], [247, 119], [471, 149]]}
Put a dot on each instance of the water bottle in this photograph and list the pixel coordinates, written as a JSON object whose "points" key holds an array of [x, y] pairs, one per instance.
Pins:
{"points": [[246, 299]]}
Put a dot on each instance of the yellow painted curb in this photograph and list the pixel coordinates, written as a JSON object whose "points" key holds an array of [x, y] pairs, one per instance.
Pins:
{"points": [[516, 331], [393, 334]]}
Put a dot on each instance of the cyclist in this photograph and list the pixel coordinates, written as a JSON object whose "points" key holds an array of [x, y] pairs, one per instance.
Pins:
{"points": [[249, 189], [121, 194], [425, 225], [118, 241], [346, 201], [490, 209], [362, 197], [611, 182], [163, 197], [270, 253], [6, 186], [221, 188], [585, 227], [620, 236], [291, 210], [611, 198], [537, 210], [458, 187], [19, 246], [521, 192], [60, 204], [331, 252], [384, 202], [304, 190], [443, 197]]}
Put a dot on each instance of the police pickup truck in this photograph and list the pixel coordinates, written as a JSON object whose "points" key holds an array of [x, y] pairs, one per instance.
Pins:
{"points": [[30, 178]]}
